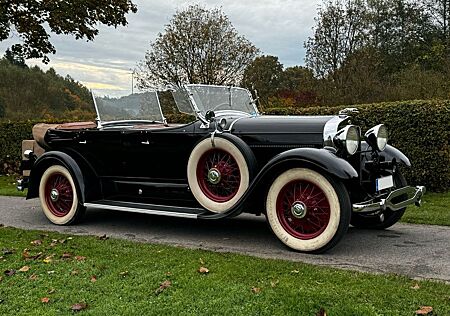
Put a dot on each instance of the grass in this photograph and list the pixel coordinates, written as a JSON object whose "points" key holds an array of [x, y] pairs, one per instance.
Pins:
{"points": [[435, 210], [8, 186], [128, 276]]}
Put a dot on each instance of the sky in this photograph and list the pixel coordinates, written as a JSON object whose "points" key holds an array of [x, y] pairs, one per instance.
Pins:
{"points": [[276, 27]]}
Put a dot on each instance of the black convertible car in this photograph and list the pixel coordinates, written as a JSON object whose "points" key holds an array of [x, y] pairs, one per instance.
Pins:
{"points": [[310, 175]]}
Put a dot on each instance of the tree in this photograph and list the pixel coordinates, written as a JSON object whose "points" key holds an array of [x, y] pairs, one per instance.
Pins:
{"points": [[197, 46], [264, 74], [15, 57], [32, 19], [339, 31]]}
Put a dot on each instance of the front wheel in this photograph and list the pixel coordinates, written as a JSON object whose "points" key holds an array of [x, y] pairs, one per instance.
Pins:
{"points": [[308, 211], [59, 198]]}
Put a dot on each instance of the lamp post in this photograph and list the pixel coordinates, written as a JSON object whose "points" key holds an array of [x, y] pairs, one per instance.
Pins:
{"points": [[132, 80]]}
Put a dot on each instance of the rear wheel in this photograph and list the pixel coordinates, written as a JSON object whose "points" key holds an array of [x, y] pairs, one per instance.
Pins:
{"points": [[389, 217], [308, 211], [58, 196]]}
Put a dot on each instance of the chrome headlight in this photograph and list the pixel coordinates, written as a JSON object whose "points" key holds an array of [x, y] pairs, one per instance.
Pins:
{"points": [[348, 138], [377, 137]]}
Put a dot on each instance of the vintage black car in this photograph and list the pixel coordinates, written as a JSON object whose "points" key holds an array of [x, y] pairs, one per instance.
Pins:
{"points": [[310, 175]]}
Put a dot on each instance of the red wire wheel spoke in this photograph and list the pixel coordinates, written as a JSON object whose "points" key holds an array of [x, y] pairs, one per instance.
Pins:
{"points": [[230, 177], [315, 203], [62, 205]]}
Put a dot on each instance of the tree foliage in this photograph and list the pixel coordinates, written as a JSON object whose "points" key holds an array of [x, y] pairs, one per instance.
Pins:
{"points": [[265, 75], [197, 46], [376, 50], [31, 20], [30, 93]]}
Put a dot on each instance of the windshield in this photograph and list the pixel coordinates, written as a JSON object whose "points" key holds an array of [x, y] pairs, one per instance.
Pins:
{"points": [[135, 107], [220, 98]]}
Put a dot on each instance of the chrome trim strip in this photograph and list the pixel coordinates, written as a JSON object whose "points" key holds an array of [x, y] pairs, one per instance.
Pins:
{"points": [[140, 210], [371, 206]]}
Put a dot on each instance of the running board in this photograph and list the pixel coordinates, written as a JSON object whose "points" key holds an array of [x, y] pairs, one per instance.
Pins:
{"points": [[153, 209]]}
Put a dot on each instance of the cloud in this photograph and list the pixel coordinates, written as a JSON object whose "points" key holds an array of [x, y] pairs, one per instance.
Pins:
{"points": [[277, 27]]}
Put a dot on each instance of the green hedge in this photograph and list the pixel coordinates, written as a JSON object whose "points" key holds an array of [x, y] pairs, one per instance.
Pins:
{"points": [[421, 129]]}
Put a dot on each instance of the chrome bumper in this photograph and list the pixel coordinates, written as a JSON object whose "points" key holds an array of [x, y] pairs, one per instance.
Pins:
{"points": [[414, 197]]}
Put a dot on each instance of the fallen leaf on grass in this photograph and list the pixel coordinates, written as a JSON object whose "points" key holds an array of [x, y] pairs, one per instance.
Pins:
{"points": [[51, 291], [203, 270], [321, 312], [164, 285], [48, 259], [295, 271], [424, 310], [274, 283], [102, 237], [256, 290], [45, 300], [93, 278], [26, 255], [50, 272], [7, 251], [415, 287], [78, 307], [80, 258], [124, 273], [202, 262], [33, 277], [10, 272], [66, 255], [36, 242], [74, 272], [24, 269]]}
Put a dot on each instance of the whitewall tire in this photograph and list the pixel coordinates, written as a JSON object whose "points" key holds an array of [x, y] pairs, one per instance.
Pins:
{"points": [[58, 196], [307, 211], [219, 173]]}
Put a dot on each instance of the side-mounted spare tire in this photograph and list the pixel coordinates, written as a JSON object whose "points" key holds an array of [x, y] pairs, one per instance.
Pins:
{"points": [[219, 171]]}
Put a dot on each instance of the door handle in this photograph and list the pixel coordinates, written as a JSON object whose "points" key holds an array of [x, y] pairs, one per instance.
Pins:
{"points": [[82, 142], [145, 143]]}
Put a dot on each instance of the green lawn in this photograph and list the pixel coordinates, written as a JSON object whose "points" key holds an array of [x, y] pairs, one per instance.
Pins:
{"points": [[124, 278], [8, 186], [435, 210]]}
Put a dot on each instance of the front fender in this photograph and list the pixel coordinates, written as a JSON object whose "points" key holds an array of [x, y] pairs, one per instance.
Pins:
{"points": [[389, 153], [321, 159], [52, 158]]}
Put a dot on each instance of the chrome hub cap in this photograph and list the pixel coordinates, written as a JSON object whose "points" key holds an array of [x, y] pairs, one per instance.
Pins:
{"points": [[214, 176], [298, 209], [54, 195]]}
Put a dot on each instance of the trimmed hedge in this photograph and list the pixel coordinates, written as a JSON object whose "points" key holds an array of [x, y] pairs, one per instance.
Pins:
{"points": [[420, 129]]}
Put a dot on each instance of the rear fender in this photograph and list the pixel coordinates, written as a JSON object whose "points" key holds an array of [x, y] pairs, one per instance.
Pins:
{"points": [[55, 158]]}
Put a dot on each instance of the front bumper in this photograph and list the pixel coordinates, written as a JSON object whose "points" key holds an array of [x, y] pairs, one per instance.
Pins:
{"points": [[380, 204]]}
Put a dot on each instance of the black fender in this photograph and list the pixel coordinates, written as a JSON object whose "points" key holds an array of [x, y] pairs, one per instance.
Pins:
{"points": [[55, 158], [389, 153], [321, 159]]}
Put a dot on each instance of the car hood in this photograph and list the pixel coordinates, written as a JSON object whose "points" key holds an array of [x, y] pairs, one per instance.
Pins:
{"points": [[307, 130]]}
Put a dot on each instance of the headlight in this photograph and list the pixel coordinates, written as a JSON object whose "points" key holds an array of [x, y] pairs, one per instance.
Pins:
{"points": [[377, 137], [348, 138]]}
